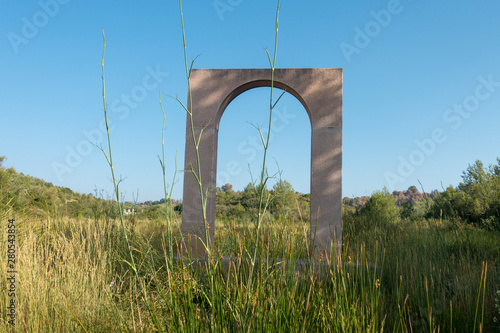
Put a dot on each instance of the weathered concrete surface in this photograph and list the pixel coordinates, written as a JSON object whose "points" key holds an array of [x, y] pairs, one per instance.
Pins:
{"points": [[320, 92]]}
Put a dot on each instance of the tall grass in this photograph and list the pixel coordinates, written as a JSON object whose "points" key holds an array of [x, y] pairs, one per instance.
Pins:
{"points": [[75, 271], [445, 273], [72, 261]]}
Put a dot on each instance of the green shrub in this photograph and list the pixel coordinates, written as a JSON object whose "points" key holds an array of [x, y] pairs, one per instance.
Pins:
{"points": [[381, 208], [476, 200]]}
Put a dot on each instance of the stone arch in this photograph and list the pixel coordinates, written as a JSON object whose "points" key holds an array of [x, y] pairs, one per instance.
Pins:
{"points": [[320, 92]]}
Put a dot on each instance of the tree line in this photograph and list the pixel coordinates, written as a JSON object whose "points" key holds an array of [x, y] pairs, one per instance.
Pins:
{"points": [[476, 200], [282, 201]]}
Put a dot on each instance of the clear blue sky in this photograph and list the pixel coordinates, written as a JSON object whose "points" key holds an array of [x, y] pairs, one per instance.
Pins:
{"points": [[421, 88]]}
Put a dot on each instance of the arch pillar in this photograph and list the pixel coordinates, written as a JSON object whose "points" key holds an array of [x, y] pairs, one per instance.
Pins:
{"points": [[320, 92]]}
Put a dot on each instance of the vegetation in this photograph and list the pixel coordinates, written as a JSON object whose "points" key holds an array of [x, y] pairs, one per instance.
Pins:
{"points": [[476, 200], [284, 203], [405, 266], [397, 274], [38, 199], [35, 199]]}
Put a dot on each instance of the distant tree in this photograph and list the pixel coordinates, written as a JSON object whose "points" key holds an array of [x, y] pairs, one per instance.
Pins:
{"points": [[3, 175], [249, 198], [475, 200], [407, 210], [227, 187], [412, 189], [178, 208], [283, 198], [153, 213], [357, 202], [283, 186], [226, 200], [282, 201], [381, 208], [237, 210]]}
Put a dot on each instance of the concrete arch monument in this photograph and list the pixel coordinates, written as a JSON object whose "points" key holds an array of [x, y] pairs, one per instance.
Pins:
{"points": [[320, 92]]}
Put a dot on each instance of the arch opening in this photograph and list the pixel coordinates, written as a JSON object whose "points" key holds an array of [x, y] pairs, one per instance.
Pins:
{"points": [[240, 152]]}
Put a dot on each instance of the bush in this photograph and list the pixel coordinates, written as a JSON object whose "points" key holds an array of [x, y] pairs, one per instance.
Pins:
{"points": [[476, 200], [381, 208]]}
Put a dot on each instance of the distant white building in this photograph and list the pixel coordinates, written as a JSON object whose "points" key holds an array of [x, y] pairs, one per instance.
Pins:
{"points": [[129, 211]]}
